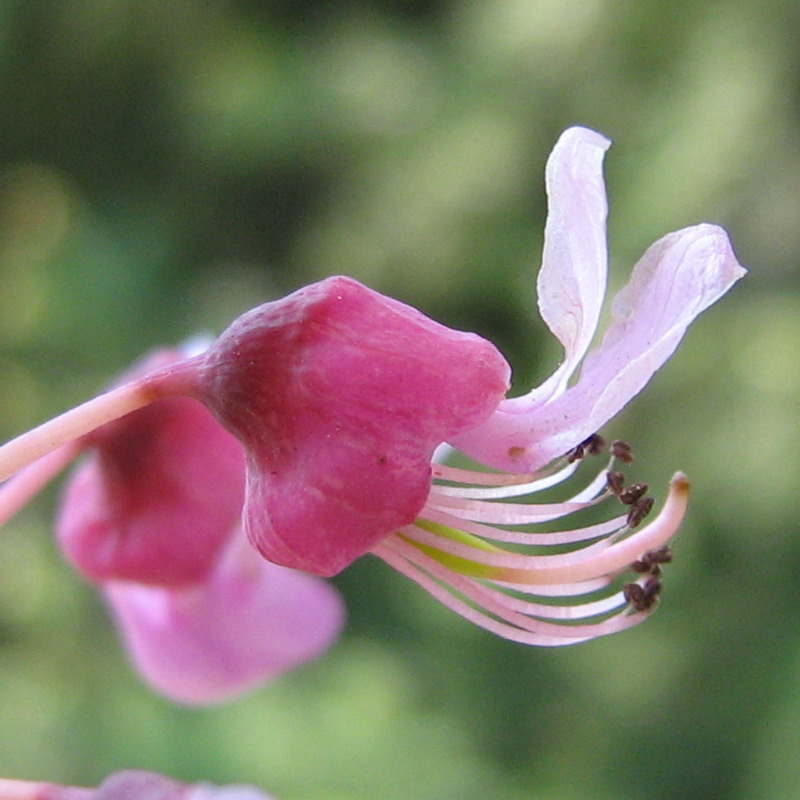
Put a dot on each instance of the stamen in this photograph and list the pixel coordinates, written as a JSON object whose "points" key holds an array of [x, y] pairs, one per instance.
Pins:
{"points": [[510, 513], [505, 622], [570, 590], [642, 597], [639, 510], [593, 446], [486, 490], [652, 558], [602, 558], [454, 551], [517, 513], [633, 493], [615, 482], [470, 476], [524, 537], [622, 451]]}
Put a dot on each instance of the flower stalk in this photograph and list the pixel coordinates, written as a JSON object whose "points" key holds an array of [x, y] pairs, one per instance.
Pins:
{"points": [[174, 380]]}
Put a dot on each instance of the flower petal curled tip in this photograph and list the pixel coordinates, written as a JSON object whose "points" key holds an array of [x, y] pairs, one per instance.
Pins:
{"points": [[456, 556], [250, 622], [678, 277], [158, 496], [340, 396], [572, 280]]}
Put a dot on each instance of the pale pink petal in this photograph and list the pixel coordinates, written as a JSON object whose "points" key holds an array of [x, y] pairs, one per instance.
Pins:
{"points": [[250, 622], [140, 785], [572, 280], [204, 791], [678, 277]]}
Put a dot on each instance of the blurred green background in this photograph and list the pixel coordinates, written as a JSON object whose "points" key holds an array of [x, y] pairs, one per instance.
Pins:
{"points": [[167, 165]]}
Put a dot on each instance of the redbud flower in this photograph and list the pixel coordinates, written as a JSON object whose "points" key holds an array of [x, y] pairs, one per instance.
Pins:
{"points": [[341, 397], [153, 516]]}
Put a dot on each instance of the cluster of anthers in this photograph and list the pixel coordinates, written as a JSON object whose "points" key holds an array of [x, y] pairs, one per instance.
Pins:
{"points": [[641, 596], [564, 587]]}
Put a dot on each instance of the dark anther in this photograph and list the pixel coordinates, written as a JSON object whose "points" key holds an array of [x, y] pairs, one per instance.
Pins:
{"points": [[622, 451], [615, 482], [593, 445], [652, 558], [639, 510], [576, 454], [642, 598], [633, 493], [633, 594], [652, 588]]}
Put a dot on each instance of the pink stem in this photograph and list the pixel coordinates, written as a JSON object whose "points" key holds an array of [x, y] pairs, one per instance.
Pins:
{"points": [[173, 380], [17, 491]]}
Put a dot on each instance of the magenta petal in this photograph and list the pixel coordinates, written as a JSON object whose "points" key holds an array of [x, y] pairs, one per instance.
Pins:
{"points": [[156, 499], [677, 278], [340, 396], [249, 623], [572, 281]]}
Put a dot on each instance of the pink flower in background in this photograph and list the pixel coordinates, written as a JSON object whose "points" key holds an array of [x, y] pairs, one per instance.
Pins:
{"points": [[341, 397], [153, 515], [130, 785], [248, 622], [158, 497]]}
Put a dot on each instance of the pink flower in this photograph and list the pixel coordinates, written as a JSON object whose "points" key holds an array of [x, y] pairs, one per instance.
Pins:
{"points": [[454, 550], [154, 516], [248, 622], [341, 397], [159, 496], [129, 785]]}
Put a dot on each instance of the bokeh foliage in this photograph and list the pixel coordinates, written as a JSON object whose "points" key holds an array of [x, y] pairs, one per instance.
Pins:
{"points": [[166, 165]]}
